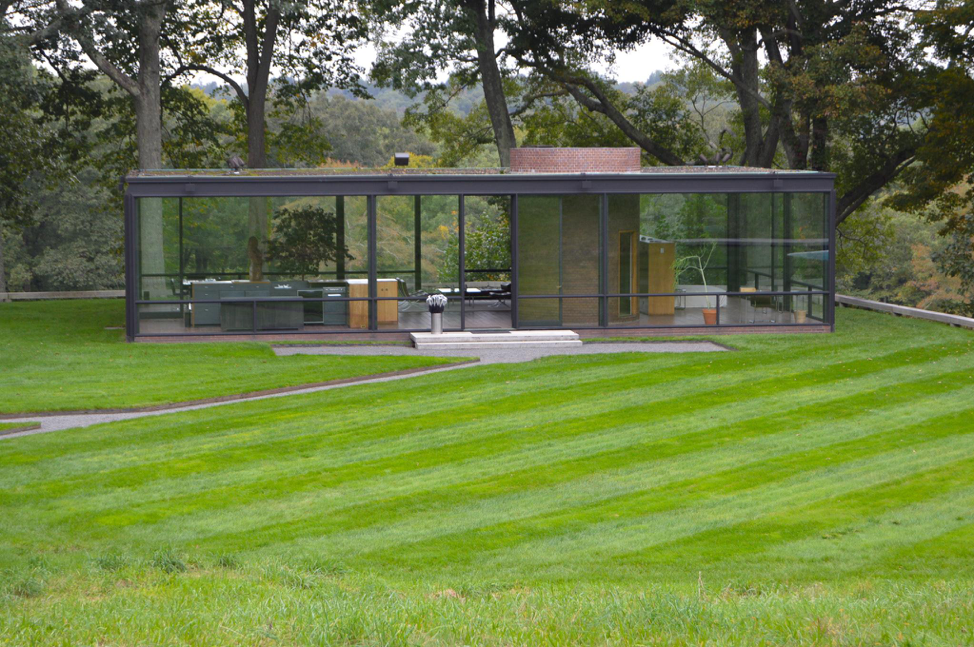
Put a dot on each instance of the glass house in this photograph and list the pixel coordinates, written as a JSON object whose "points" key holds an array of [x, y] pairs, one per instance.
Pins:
{"points": [[594, 243]]}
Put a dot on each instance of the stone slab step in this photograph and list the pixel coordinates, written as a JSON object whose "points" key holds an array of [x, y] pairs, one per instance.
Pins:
{"points": [[487, 340], [497, 344]]}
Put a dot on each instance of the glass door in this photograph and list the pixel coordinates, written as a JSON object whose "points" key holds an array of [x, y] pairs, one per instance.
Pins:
{"points": [[487, 262]]}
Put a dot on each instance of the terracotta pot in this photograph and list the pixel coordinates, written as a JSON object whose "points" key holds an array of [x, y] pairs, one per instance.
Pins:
{"points": [[710, 316], [800, 316]]}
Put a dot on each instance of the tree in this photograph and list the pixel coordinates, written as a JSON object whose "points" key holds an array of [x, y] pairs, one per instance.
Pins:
{"points": [[956, 259], [832, 86], [308, 44], [123, 40], [26, 147], [455, 36]]}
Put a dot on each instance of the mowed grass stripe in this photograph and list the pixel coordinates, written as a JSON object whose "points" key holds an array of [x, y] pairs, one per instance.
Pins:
{"points": [[559, 388], [523, 514], [168, 506], [947, 459], [929, 502], [949, 554], [867, 544], [182, 467], [614, 470]]}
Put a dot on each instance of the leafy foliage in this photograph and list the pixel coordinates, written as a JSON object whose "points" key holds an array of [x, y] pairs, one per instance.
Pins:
{"points": [[956, 259], [304, 238], [27, 142]]}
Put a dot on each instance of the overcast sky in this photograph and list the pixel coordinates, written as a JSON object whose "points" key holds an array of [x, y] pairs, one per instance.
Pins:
{"points": [[632, 66]]}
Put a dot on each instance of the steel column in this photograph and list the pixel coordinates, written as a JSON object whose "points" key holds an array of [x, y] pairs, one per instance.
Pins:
{"points": [[604, 260], [831, 289], [373, 264], [418, 242], [514, 260], [131, 259]]}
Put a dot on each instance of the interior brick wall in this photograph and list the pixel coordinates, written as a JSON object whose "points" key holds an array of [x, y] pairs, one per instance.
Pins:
{"points": [[575, 160], [580, 259]]}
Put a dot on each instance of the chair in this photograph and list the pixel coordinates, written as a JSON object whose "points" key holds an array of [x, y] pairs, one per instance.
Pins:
{"points": [[407, 305], [768, 303]]}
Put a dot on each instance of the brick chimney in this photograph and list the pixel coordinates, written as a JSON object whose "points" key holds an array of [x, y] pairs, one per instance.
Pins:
{"points": [[574, 160]]}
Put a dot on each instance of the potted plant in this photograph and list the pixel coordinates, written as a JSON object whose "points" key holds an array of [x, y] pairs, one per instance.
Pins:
{"points": [[699, 263]]}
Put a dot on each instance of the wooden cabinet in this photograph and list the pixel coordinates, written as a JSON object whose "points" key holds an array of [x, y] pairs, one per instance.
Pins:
{"points": [[387, 312], [660, 257]]}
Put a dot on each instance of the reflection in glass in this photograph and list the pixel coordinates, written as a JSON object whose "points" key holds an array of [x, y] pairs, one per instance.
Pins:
{"points": [[487, 262], [302, 257]]}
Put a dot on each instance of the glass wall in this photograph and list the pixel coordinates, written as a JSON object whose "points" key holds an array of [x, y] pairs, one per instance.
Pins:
{"points": [[417, 243], [487, 262], [696, 259], [301, 264], [232, 264]]}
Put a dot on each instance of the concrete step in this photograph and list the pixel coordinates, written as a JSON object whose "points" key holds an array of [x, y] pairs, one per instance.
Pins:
{"points": [[489, 340], [497, 344]]}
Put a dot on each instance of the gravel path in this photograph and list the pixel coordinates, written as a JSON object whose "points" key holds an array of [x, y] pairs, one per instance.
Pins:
{"points": [[511, 355], [486, 355]]}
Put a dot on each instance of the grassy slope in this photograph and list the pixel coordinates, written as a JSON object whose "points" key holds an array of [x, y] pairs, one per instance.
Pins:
{"points": [[808, 489], [57, 355]]}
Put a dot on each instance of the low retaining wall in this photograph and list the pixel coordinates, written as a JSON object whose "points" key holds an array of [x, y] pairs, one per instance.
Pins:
{"points": [[43, 296], [905, 311]]}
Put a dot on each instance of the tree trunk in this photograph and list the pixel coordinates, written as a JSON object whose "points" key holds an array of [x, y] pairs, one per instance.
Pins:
{"points": [[3, 275], [490, 76], [260, 53], [257, 221], [148, 120], [745, 66], [819, 156]]}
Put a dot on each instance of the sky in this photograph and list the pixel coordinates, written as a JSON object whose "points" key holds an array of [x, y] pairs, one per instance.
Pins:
{"points": [[632, 66]]}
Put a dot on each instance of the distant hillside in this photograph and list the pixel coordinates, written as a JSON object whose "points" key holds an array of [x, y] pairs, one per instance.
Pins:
{"points": [[389, 99]]}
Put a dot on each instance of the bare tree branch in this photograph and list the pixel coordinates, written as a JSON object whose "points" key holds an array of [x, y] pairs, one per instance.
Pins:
{"points": [[88, 46], [856, 196]]}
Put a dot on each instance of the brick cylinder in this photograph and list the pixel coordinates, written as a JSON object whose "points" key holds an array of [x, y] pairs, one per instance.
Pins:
{"points": [[575, 160]]}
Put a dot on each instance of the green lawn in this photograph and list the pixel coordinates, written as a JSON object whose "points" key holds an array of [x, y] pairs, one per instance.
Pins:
{"points": [[57, 355], [7, 426], [806, 489]]}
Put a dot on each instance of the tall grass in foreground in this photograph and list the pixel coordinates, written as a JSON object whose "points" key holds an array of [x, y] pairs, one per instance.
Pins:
{"points": [[278, 603]]}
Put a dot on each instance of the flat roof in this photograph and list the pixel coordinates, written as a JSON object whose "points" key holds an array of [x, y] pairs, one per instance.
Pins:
{"points": [[326, 172], [468, 181]]}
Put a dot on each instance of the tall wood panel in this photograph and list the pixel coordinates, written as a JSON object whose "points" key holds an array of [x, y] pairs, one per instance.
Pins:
{"points": [[661, 257]]}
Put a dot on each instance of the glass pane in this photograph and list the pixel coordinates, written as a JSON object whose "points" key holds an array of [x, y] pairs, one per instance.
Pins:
{"points": [[158, 248], [303, 256], [487, 261], [307, 307], [417, 247], [691, 248]]}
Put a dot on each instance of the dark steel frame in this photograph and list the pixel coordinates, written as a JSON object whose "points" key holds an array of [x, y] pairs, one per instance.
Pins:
{"points": [[373, 186]]}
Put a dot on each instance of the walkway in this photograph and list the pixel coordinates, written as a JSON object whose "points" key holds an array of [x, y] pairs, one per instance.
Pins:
{"points": [[57, 422]]}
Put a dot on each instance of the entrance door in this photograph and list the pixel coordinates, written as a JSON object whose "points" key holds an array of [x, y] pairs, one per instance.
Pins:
{"points": [[487, 262]]}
